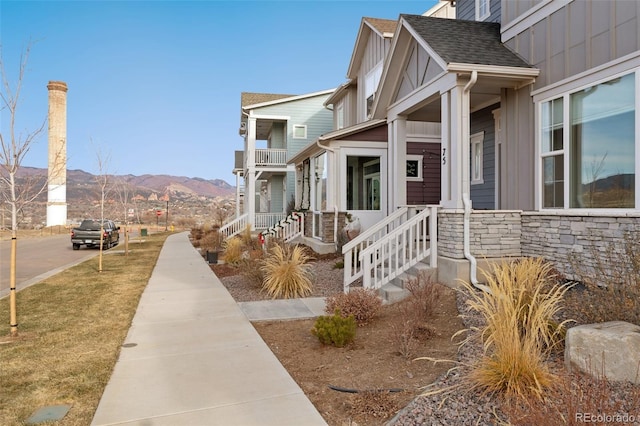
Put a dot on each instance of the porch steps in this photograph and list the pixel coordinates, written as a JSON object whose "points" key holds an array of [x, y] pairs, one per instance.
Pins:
{"points": [[397, 290]]}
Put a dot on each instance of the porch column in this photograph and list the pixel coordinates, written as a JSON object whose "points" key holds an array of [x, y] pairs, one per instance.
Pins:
{"points": [[250, 179], [397, 164], [239, 179], [455, 146]]}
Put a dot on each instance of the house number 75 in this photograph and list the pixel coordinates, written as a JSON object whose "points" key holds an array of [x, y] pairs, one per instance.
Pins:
{"points": [[444, 156]]}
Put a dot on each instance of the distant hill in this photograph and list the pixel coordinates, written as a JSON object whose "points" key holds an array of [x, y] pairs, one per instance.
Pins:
{"points": [[83, 185]]}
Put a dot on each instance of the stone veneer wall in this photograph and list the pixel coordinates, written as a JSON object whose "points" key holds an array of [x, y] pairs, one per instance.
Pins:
{"points": [[560, 236], [327, 224], [492, 233]]}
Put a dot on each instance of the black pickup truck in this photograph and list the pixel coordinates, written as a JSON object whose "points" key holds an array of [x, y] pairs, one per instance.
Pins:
{"points": [[88, 234]]}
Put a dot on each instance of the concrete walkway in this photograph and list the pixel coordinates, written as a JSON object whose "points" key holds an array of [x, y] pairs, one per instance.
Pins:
{"points": [[193, 358]]}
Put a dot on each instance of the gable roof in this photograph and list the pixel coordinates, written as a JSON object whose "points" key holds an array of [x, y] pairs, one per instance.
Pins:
{"points": [[382, 27], [250, 98], [465, 42], [457, 47]]}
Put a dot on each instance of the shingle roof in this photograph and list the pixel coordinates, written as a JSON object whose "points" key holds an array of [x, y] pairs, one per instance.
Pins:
{"points": [[249, 98], [467, 42], [382, 25]]}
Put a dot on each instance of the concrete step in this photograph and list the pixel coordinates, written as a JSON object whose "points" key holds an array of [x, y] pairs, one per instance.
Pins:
{"points": [[392, 294]]}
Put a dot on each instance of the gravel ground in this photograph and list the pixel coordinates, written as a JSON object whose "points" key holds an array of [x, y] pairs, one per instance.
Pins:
{"points": [[458, 406], [462, 407], [327, 280]]}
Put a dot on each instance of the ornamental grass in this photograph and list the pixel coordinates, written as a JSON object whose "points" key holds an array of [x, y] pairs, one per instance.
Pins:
{"points": [[287, 273], [519, 331]]}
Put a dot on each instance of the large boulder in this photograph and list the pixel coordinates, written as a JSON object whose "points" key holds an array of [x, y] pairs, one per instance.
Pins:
{"points": [[609, 349]]}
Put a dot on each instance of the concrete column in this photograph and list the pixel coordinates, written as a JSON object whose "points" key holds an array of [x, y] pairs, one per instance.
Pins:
{"points": [[57, 175]]}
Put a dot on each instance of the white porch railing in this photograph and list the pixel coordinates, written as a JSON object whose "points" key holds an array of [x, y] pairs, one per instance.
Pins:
{"points": [[261, 221], [267, 220], [287, 229], [402, 248], [271, 157], [351, 250], [235, 226]]}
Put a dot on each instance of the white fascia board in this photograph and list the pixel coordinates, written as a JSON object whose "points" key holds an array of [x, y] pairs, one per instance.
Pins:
{"points": [[338, 92], [441, 84], [269, 117], [494, 70], [351, 130], [289, 99], [308, 151]]}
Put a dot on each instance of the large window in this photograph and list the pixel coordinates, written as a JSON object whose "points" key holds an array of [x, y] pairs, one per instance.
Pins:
{"points": [[596, 168]]}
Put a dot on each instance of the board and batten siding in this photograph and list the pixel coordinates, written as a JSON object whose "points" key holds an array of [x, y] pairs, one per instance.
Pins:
{"points": [[483, 195], [577, 37], [374, 54]]}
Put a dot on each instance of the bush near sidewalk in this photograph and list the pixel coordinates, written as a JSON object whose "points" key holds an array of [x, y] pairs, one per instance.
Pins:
{"points": [[72, 326]]}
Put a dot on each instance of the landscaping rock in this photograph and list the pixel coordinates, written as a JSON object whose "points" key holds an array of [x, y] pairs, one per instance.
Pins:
{"points": [[609, 349]]}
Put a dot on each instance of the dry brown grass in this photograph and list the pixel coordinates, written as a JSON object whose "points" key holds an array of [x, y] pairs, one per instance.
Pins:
{"points": [[72, 326], [519, 331], [287, 272]]}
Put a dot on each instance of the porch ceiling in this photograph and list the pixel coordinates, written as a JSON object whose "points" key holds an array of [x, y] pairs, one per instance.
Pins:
{"points": [[263, 128]]}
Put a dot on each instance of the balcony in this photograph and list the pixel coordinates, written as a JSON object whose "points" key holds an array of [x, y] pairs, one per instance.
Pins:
{"points": [[271, 158]]}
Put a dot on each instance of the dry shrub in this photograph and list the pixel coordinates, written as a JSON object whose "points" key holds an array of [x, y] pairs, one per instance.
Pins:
{"points": [[517, 335], [233, 249], [211, 240], [578, 399], [252, 268], [287, 273], [414, 313], [374, 404], [611, 274], [363, 304]]}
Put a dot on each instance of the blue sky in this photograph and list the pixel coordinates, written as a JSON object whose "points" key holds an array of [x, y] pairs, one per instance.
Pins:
{"points": [[155, 85]]}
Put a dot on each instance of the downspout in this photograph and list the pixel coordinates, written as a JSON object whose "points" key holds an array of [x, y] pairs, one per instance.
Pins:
{"points": [[335, 206], [466, 200]]}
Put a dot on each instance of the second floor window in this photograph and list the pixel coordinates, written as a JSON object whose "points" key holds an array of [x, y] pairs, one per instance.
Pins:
{"points": [[299, 131], [482, 9], [370, 86]]}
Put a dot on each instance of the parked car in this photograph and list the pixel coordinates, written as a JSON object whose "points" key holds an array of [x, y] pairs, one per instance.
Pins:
{"points": [[89, 234]]}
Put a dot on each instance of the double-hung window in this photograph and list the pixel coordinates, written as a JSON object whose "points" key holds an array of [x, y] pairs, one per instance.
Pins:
{"points": [[588, 147]]}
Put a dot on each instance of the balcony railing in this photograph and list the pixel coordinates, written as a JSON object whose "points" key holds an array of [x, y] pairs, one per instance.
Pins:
{"points": [[271, 157]]}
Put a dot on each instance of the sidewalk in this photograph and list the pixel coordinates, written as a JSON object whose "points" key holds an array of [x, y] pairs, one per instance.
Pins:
{"points": [[192, 357]]}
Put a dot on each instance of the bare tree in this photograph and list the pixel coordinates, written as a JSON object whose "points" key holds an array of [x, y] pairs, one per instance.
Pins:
{"points": [[103, 180], [14, 147], [124, 193]]}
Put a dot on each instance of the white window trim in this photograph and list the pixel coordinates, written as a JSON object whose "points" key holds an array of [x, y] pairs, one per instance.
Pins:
{"points": [[340, 118], [372, 80], [486, 14], [419, 159], [539, 171], [299, 126], [477, 140]]}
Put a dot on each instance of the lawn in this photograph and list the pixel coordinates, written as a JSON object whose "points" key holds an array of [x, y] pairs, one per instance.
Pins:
{"points": [[71, 328]]}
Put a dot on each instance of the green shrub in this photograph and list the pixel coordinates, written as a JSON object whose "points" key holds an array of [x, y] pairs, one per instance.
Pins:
{"points": [[334, 329], [287, 273], [517, 334], [362, 304]]}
